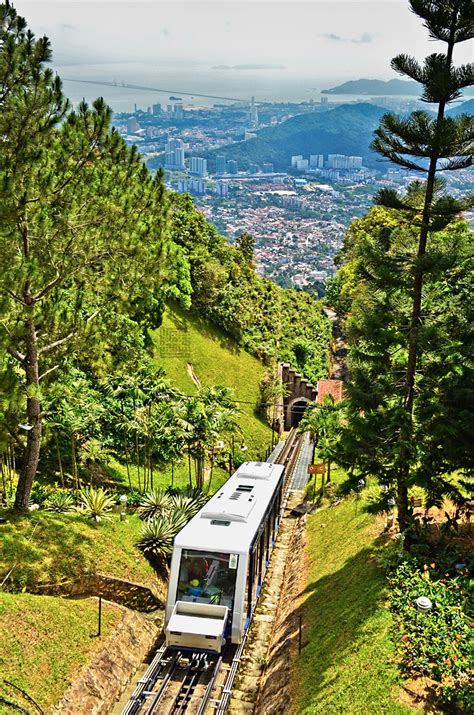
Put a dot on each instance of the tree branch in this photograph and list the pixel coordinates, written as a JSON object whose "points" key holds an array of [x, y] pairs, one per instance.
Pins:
{"points": [[56, 343], [46, 372], [16, 354]]}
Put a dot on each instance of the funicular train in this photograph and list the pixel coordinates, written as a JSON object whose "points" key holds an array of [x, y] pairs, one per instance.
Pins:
{"points": [[220, 558]]}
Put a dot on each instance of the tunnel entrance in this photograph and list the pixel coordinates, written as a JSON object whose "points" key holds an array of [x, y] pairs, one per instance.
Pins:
{"points": [[297, 410]]}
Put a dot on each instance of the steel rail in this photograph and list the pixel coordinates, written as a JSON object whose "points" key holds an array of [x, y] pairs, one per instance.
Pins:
{"points": [[166, 658], [162, 689], [290, 458]]}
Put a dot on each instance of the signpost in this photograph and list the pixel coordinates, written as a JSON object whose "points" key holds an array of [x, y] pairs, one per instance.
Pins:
{"points": [[317, 469]]}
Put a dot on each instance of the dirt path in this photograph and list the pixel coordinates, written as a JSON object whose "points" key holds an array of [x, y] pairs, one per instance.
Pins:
{"points": [[338, 349], [193, 376]]}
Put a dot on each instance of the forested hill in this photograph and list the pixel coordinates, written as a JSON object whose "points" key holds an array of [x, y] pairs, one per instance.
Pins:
{"points": [[376, 87], [348, 129]]}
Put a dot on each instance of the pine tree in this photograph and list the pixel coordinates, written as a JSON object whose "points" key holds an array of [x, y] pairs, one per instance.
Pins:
{"points": [[81, 223], [429, 145]]}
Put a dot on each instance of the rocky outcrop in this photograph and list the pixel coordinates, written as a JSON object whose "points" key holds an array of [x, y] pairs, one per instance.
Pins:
{"points": [[99, 685], [126, 593]]}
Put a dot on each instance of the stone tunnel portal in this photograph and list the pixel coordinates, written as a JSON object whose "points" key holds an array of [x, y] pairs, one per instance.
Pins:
{"points": [[296, 411]]}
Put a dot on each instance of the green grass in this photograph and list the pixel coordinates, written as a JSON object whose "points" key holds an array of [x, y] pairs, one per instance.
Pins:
{"points": [[46, 548], [216, 360], [45, 641], [117, 477], [348, 663]]}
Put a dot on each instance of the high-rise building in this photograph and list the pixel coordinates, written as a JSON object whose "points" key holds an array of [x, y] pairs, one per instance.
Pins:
{"points": [[132, 125], [316, 161], [156, 108], [232, 167], [302, 164], [220, 164], [174, 155], [295, 159], [173, 144], [355, 162], [254, 168], [222, 188], [267, 168], [179, 111], [198, 166], [341, 161]]}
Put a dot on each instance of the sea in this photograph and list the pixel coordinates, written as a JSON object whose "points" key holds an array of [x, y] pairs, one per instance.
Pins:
{"points": [[162, 84]]}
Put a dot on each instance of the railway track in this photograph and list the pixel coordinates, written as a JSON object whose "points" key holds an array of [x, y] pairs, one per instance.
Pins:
{"points": [[194, 683]]}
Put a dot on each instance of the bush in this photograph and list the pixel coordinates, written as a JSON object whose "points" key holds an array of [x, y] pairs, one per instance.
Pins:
{"points": [[435, 644], [59, 501], [158, 534], [95, 503], [166, 514], [153, 503]]}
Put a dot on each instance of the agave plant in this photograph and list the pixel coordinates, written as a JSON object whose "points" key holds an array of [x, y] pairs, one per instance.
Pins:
{"points": [[153, 503], [95, 503], [157, 534], [59, 501], [187, 506]]}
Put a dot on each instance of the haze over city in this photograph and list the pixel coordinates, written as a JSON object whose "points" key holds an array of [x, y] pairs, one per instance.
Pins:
{"points": [[325, 40]]}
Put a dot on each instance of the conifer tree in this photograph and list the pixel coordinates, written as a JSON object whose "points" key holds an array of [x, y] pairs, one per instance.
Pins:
{"points": [[428, 144], [81, 223]]}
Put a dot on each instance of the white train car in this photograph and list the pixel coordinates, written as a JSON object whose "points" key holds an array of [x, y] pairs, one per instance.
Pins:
{"points": [[220, 558]]}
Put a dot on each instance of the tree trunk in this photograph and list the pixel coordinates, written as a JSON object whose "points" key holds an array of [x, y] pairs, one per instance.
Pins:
{"points": [[60, 464], [402, 503], [127, 462], [328, 472], [189, 469], [416, 313], [200, 471], [33, 411], [74, 461]]}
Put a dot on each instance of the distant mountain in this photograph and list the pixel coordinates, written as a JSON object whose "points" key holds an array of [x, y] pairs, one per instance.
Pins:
{"points": [[347, 129], [464, 108], [376, 87]]}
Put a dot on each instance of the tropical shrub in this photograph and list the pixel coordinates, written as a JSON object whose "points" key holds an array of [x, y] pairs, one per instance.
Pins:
{"points": [[436, 643], [187, 506], [59, 501], [157, 535], [154, 502], [95, 503]]}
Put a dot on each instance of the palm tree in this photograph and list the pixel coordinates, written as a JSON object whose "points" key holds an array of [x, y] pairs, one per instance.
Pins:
{"points": [[324, 422], [206, 418]]}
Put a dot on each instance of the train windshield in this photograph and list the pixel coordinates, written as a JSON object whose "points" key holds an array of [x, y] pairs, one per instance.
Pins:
{"points": [[207, 577]]}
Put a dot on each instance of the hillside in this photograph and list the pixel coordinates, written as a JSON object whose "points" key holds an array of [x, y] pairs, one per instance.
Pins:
{"points": [[348, 129], [376, 87], [464, 108], [186, 346]]}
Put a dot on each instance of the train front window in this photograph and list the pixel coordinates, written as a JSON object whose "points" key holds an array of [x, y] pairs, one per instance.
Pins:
{"points": [[207, 577]]}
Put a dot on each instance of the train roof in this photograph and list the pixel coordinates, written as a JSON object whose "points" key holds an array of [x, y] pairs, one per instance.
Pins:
{"points": [[230, 519]]}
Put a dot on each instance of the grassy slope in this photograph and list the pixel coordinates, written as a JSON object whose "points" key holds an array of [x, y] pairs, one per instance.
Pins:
{"points": [[35, 654], [48, 547], [348, 664], [185, 339], [216, 360]]}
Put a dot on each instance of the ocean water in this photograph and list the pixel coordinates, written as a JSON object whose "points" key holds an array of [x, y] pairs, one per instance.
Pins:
{"points": [[265, 85]]}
